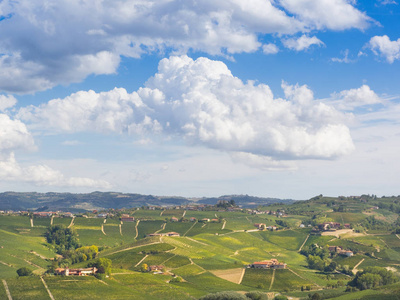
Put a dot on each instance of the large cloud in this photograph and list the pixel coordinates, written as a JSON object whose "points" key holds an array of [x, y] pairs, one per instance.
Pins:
{"points": [[204, 103], [45, 43]]}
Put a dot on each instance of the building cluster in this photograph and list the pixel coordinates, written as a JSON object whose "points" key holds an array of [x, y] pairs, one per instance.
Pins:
{"points": [[155, 268], [332, 226], [76, 272], [280, 213], [172, 234], [268, 264], [262, 226], [340, 251]]}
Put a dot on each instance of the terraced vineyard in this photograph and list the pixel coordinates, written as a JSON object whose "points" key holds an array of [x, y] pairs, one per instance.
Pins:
{"points": [[204, 255]]}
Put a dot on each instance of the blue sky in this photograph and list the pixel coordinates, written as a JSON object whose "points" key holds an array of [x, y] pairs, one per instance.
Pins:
{"points": [[284, 98]]}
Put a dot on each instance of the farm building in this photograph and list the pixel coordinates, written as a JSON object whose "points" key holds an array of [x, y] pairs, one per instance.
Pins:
{"points": [[76, 272], [174, 219], [340, 251], [260, 226], [172, 234], [155, 268], [268, 264], [127, 218], [328, 226], [44, 214]]}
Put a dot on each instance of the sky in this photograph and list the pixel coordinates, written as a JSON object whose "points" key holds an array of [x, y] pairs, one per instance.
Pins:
{"points": [[270, 98]]}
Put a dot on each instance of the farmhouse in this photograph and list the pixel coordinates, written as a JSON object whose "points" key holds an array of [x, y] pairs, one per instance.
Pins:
{"points": [[127, 218], [76, 272], [155, 268], [329, 226], [174, 219], [272, 228], [44, 214], [260, 226], [172, 234], [340, 251], [268, 264]]}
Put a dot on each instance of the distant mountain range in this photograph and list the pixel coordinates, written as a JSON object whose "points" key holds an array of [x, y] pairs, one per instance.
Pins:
{"points": [[105, 200]]}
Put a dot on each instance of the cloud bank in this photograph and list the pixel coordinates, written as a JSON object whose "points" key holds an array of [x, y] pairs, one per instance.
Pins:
{"points": [[203, 103], [46, 43]]}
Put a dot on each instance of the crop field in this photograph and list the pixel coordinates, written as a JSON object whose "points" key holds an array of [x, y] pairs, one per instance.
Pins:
{"points": [[176, 261], [286, 239], [128, 229], [211, 283], [3, 294], [148, 214], [62, 221], [232, 275], [346, 217], [201, 214], [349, 261], [41, 222], [391, 240], [88, 222], [64, 288], [12, 223], [258, 278], [180, 227], [188, 270], [27, 288], [371, 241], [147, 286], [177, 213], [286, 280], [15, 252], [318, 239], [147, 227], [350, 245]]}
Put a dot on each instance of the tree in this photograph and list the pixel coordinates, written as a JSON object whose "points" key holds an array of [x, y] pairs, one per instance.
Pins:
{"points": [[224, 296], [315, 296], [103, 265], [24, 271]]}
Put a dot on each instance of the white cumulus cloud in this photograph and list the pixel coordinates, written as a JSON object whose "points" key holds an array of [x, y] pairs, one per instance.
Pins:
{"points": [[302, 43], [353, 98], [7, 102], [202, 102], [330, 14], [270, 49], [384, 47]]}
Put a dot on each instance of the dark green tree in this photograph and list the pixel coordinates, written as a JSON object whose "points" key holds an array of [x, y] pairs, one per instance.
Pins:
{"points": [[24, 271]]}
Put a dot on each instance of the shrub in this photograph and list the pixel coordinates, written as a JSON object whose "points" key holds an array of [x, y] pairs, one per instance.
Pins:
{"points": [[24, 271], [224, 296], [257, 296]]}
